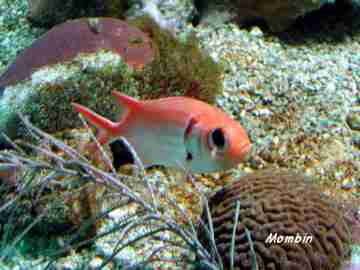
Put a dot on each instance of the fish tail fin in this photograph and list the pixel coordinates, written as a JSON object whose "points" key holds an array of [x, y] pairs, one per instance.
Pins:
{"points": [[95, 119], [129, 103]]}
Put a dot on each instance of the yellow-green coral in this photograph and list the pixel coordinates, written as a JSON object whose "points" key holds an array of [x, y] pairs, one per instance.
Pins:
{"points": [[179, 67], [47, 97]]}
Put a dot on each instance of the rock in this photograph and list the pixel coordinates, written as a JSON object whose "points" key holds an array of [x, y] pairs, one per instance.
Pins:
{"points": [[353, 120], [85, 59], [355, 139], [64, 65], [279, 14], [65, 41], [169, 14], [256, 32], [46, 98], [51, 12]]}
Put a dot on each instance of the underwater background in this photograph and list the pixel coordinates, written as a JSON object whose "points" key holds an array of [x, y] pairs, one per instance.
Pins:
{"points": [[288, 71]]}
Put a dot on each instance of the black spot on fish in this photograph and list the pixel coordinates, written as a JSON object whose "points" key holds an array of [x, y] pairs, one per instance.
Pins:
{"points": [[121, 154], [189, 156], [218, 138]]}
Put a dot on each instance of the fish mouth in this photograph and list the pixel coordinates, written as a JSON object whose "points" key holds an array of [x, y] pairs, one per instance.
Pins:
{"points": [[245, 151]]}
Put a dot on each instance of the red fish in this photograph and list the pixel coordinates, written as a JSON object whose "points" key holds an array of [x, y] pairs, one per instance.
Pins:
{"points": [[178, 132]]}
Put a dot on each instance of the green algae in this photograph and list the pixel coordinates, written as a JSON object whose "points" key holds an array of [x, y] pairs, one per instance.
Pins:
{"points": [[180, 67], [15, 31], [46, 98]]}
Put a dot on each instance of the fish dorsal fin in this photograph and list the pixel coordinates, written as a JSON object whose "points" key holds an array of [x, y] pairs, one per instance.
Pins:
{"points": [[129, 103]]}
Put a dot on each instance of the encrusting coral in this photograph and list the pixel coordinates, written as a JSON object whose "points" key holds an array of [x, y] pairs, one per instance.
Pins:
{"points": [[102, 60], [180, 67], [65, 41], [275, 205]]}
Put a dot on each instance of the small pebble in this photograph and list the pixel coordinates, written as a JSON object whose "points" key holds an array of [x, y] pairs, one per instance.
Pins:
{"points": [[95, 263], [353, 120], [256, 32], [262, 112], [347, 185], [355, 139]]}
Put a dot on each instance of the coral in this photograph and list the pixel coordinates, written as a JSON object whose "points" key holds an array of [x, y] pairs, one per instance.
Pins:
{"points": [[64, 42], [88, 79], [179, 67], [59, 78], [282, 203]]}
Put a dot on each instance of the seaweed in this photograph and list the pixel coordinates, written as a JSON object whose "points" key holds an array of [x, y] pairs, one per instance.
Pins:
{"points": [[150, 221]]}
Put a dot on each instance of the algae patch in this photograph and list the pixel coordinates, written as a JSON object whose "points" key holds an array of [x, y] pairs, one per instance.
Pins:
{"points": [[46, 97], [180, 65]]}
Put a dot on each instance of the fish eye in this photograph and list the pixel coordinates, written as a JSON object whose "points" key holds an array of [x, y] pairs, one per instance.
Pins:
{"points": [[217, 139]]}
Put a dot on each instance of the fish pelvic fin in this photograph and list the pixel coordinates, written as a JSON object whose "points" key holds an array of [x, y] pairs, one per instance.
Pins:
{"points": [[95, 119], [129, 103]]}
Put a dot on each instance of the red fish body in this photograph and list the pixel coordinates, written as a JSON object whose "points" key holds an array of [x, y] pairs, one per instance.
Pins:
{"points": [[177, 132]]}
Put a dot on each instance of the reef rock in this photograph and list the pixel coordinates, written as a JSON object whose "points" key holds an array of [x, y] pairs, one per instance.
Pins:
{"points": [[65, 41], [279, 14], [73, 61], [51, 12], [44, 12], [275, 208], [169, 14]]}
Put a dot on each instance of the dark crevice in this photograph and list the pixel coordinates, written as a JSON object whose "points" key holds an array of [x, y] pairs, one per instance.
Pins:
{"points": [[332, 23]]}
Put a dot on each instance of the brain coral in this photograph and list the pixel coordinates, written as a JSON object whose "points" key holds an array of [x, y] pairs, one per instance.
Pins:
{"points": [[283, 203], [65, 41]]}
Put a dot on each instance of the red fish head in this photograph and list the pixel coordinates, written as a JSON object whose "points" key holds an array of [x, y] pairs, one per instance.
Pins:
{"points": [[228, 144], [217, 143]]}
